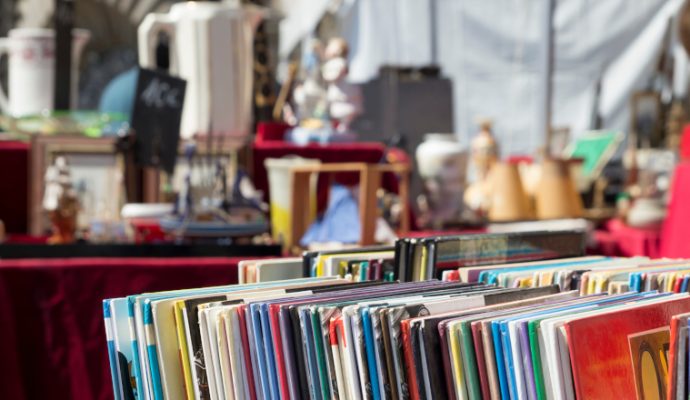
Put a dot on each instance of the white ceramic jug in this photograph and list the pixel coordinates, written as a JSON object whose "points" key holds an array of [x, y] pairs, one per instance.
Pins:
{"points": [[211, 47], [31, 72]]}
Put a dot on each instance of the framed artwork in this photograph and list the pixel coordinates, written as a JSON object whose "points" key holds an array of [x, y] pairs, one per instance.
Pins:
{"points": [[97, 176]]}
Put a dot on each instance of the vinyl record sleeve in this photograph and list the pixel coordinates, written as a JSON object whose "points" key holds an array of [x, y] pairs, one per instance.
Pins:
{"points": [[224, 338], [613, 350], [377, 326], [675, 364], [123, 347], [250, 366], [191, 315], [367, 329], [278, 269], [410, 386], [338, 378], [112, 353], [388, 351], [682, 362]]}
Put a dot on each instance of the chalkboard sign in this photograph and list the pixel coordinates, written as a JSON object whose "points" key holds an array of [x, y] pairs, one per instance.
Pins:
{"points": [[156, 118], [63, 22]]}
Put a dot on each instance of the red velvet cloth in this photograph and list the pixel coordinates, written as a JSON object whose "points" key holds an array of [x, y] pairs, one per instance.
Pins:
{"points": [[676, 229], [619, 239], [52, 335], [14, 189]]}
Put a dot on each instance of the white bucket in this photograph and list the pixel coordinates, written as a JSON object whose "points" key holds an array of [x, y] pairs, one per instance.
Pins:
{"points": [[280, 191]]}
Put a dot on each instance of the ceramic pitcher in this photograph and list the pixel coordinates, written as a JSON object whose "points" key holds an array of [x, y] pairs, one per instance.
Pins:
{"points": [[211, 47], [31, 72]]}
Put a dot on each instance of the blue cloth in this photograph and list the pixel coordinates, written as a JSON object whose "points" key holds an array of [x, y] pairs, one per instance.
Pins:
{"points": [[340, 222]]}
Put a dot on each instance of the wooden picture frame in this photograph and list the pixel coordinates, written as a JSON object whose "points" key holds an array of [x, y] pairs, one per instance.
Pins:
{"points": [[97, 170]]}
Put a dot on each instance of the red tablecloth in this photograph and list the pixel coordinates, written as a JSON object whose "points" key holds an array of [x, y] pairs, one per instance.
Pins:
{"points": [[619, 239], [676, 230], [52, 337], [14, 189]]}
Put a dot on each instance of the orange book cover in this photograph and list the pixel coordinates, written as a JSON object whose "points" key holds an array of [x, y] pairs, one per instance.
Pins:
{"points": [[409, 360], [623, 354]]}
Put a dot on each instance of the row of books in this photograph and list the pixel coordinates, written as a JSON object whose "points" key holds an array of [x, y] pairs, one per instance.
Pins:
{"points": [[343, 325], [588, 275], [418, 259], [324, 338]]}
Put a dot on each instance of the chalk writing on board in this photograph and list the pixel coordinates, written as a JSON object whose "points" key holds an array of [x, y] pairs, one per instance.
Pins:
{"points": [[160, 94]]}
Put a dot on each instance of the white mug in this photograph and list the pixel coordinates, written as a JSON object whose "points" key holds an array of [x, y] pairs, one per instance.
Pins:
{"points": [[31, 69]]}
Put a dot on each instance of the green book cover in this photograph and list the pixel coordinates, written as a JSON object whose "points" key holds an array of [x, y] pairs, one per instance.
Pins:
{"points": [[469, 361], [320, 356], [533, 327]]}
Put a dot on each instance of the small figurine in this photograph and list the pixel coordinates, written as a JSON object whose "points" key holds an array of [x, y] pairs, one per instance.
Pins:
{"points": [[310, 95], [344, 99], [484, 149], [484, 155], [61, 202]]}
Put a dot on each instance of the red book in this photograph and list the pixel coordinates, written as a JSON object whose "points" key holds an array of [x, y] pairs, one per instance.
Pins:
{"points": [[481, 364], [409, 359], [676, 323], [241, 316], [447, 369], [677, 284], [622, 354], [273, 310]]}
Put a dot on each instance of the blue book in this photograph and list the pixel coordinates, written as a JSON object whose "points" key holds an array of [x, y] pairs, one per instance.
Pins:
{"points": [[112, 353], [310, 353], [136, 364], [119, 309], [269, 350], [260, 350], [369, 346], [500, 361]]}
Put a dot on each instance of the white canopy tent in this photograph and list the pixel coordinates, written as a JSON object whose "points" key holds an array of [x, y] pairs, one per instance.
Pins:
{"points": [[496, 53]]}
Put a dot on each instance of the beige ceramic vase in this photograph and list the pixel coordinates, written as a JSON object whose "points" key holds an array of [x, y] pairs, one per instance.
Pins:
{"points": [[556, 195], [508, 201]]}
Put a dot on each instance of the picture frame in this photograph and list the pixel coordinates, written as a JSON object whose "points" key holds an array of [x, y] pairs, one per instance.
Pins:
{"points": [[96, 171]]}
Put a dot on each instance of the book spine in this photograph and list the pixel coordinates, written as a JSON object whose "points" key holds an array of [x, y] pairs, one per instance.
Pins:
{"points": [[151, 352], [136, 362], [410, 389], [112, 353]]}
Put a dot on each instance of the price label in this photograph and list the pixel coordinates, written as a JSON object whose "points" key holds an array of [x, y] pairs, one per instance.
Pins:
{"points": [[156, 118]]}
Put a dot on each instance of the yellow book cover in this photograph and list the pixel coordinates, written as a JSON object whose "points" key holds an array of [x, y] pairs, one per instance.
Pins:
{"points": [[184, 354], [456, 360]]}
